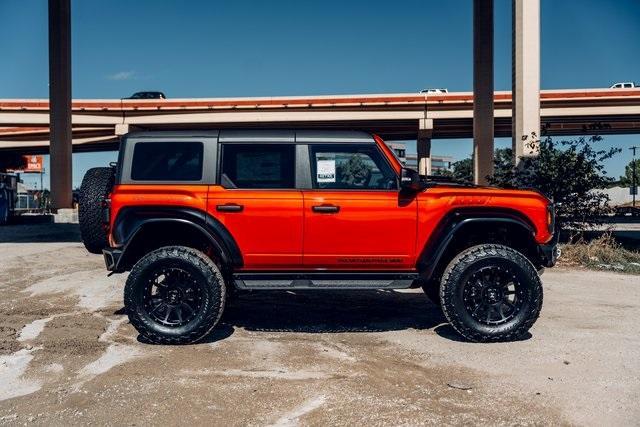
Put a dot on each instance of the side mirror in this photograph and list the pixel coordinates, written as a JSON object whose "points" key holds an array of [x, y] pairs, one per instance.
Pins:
{"points": [[410, 180]]}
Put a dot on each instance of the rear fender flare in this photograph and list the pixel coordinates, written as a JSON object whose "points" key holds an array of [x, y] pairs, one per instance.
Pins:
{"points": [[132, 221]]}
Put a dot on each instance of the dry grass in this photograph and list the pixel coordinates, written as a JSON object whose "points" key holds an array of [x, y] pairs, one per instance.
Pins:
{"points": [[603, 253]]}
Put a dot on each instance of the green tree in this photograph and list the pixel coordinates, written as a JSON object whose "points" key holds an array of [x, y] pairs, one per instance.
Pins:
{"points": [[569, 172], [354, 171], [627, 179], [463, 170]]}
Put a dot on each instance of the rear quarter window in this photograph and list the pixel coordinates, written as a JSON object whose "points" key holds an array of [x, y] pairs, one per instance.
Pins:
{"points": [[167, 161]]}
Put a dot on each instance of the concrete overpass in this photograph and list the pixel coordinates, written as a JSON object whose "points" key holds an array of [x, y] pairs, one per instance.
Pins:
{"points": [[97, 124], [393, 116]]}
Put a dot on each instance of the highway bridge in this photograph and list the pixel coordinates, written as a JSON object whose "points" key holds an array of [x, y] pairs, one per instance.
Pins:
{"points": [[89, 125], [98, 124]]}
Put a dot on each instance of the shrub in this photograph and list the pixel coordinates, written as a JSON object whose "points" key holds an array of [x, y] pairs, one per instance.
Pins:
{"points": [[569, 172], [603, 253]]}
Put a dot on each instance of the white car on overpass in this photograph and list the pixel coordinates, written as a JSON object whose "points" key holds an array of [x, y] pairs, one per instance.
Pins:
{"points": [[625, 85], [434, 91]]}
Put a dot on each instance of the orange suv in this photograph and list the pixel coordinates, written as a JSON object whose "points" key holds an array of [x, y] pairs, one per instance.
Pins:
{"points": [[197, 216]]}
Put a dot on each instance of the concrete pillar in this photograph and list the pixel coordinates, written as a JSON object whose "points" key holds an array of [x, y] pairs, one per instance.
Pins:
{"points": [[424, 155], [526, 78], [60, 102], [482, 90], [423, 146]]}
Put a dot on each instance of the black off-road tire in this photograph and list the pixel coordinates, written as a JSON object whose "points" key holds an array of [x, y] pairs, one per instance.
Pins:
{"points": [[96, 186], [470, 261], [213, 296]]}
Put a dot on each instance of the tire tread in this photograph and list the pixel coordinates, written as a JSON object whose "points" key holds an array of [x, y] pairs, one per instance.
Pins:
{"points": [[211, 273], [449, 286], [96, 185]]}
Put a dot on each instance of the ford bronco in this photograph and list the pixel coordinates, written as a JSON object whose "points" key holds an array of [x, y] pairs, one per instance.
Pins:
{"points": [[197, 216]]}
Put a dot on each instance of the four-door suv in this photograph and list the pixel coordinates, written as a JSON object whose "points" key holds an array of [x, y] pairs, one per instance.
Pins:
{"points": [[196, 216]]}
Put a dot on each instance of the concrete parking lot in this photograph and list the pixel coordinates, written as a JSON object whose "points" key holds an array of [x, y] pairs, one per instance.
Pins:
{"points": [[69, 356]]}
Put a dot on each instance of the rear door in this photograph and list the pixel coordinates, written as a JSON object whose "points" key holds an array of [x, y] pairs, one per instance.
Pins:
{"points": [[257, 201], [355, 215]]}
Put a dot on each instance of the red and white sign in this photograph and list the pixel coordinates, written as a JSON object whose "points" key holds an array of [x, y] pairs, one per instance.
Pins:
{"points": [[33, 164]]}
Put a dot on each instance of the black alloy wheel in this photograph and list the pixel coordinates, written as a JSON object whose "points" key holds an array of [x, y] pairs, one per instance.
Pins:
{"points": [[493, 295], [173, 296]]}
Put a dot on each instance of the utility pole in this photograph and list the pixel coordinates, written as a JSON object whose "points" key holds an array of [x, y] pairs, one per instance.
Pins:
{"points": [[633, 177]]}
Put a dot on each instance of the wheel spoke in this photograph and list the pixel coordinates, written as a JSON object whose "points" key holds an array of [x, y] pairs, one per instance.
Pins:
{"points": [[489, 311], [501, 312], [169, 310], [159, 305], [510, 305], [475, 313], [188, 307]]}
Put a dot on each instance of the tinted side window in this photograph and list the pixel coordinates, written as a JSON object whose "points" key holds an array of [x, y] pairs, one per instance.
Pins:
{"points": [[167, 161], [350, 167], [258, 166]]}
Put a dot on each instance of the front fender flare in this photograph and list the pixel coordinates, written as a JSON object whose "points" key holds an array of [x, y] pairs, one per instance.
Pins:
{"points": [[436, 246]]}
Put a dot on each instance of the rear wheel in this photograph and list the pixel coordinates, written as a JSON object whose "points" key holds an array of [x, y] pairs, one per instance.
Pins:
{"points": [[96, 186], [491, 293], [174, 295]]}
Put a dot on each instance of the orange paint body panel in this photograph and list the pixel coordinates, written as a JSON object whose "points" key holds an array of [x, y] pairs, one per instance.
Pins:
{"points": [[373, 230], [436, 202], [194, 196], [268, 229]]}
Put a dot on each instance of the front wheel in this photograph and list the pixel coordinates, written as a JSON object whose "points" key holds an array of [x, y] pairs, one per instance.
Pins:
{"points": [[491, 293], [174, 295]]}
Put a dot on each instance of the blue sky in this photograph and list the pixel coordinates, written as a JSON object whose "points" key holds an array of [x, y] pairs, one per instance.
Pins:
{"points": [[257, 48]]}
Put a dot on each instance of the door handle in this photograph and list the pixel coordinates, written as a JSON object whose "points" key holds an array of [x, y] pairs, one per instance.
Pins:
{"points": [[230, 207], [326, 209]]}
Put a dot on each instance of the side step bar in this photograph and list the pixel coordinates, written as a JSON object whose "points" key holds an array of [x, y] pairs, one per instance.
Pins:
{"points": [[313, 280]]}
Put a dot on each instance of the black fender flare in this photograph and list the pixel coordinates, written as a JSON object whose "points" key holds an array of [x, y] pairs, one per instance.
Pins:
{"points": [[132, 220], [455, 222]]}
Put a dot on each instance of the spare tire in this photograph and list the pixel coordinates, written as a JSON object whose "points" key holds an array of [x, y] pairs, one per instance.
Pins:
{"points": [[96, 186]]}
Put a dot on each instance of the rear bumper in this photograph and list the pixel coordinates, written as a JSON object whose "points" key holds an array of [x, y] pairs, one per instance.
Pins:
{"points": [[112, 258]]}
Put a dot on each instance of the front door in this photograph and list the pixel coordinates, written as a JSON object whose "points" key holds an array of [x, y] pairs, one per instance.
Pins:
{"points": [[259, 205], [354, 216]]}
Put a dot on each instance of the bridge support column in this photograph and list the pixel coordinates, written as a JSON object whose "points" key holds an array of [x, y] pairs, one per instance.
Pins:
{"points": [[60, 136], [124, 128], [423, 146], [482, 90], [526, 78]]}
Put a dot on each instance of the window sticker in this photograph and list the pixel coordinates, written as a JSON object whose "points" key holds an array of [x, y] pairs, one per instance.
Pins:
{"points": [[326, 171]]}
